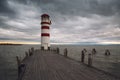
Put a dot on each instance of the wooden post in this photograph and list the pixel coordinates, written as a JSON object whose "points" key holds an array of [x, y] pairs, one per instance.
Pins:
{"points": [[94, 51], [18, 60], [48, 48], [18, 64], [84, 50], [42, 48], [32, 49], [26, 54], [65, 52], [29, 52], [82, 56], [57, 50], [107, 52], [89, 60]]}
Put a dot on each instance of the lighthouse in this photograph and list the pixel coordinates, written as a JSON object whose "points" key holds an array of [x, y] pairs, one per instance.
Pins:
{"points": [[45, 32]]}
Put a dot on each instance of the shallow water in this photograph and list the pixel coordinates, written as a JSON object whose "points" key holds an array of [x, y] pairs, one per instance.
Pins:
{"points": [[8, 53]]}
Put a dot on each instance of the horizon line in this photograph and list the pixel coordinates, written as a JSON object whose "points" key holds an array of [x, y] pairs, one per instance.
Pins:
{"points": [[65, 43]]}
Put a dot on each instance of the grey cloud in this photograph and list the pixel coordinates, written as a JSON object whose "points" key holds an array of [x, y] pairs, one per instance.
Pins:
{"points": [[112, 38], [5, 10], [3, 25], [19, 19], [78, 7], [64, 15]]}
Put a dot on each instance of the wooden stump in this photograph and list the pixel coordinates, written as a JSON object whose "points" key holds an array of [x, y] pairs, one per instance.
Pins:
{"points": [[57, 50], [82, 56], [89, 60], [65, 52]]}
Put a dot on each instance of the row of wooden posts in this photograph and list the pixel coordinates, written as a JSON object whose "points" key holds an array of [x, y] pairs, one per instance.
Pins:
{"points": [[21, 67], [93, 52], [89, 56], [82, 55]]}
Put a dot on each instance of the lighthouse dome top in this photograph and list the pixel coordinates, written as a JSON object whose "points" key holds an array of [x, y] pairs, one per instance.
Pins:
{"points": [[45, 15]]}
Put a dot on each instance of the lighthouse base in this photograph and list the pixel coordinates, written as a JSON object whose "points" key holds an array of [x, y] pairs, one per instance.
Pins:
{"points": [[45, 48]]}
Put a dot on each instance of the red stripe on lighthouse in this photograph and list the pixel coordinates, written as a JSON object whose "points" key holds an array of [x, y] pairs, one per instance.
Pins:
{"points": [[45, 22], [45, 34], [45, 27]]}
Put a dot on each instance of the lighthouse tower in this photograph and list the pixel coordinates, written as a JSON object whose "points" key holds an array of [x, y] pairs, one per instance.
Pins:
{"points": [[45, 32]]}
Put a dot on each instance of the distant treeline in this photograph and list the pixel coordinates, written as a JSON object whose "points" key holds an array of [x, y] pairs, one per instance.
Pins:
{"points": [[9, 44]]}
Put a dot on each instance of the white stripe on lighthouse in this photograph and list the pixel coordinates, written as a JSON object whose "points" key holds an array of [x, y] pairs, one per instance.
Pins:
{"points": [[45, 25], [45, 31]]}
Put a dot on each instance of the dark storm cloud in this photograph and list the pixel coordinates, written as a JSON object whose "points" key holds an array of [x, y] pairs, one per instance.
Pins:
{"points": [[78, 7], [4, 8], [6, 13], [71, 8], [12, 19]]}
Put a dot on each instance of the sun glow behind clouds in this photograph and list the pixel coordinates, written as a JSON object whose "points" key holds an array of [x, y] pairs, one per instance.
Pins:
{"points": [[109, 42]]}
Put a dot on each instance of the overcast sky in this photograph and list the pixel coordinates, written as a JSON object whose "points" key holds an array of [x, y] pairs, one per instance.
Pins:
{"points": [[73, 21]]}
